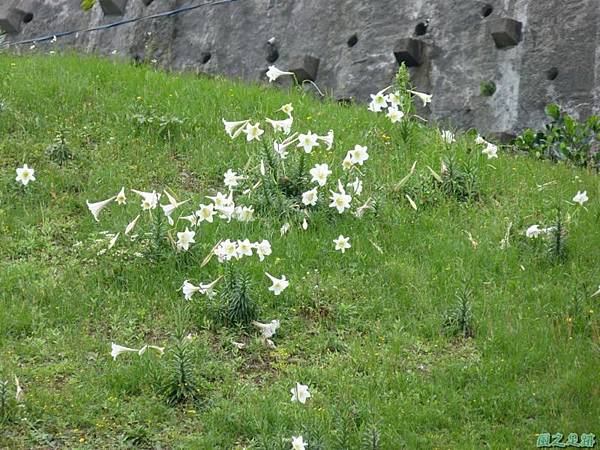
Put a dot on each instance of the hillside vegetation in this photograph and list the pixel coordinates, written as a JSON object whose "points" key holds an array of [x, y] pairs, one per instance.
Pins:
{"points": [[449, 322]]}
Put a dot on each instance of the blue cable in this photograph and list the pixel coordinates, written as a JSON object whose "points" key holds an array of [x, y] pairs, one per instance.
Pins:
{"points": [[117, 24]]}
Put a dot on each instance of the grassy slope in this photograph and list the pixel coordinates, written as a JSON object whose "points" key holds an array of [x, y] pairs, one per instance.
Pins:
{"points": [[368, 340]]}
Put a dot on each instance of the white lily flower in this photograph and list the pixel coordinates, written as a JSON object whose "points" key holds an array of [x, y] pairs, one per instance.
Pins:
{"points": [[378, 101], [273, 73], [298, 443], [131, 225], [231, 179], [490, 150], [19, 393], [205, 213], [359, 155], [189, 289], [113, 241], [533, 231], [448, 136], [116, 350], [300, 393], [304, 224], [357, 186], [480, 141], [185, 238], [25, 174], [159, 350], [342, 243], [149, 199], [279, 284], [253, 132], [267, 329], [244, 213], [263, 249], [394, 114], [340, 200], [280, 149], [238, 345], [226, 250], [282, 125], [308, 141], [121, 199], [226, 212], [310, 198], [234, 129], [393, 98], [95, 208], [320, 173], [284, 229], [244, 248], [192, 219], [581, 197], [347, 163], [221, 200], [360, 211], [287, 109], [208, 288], [425, 98], [327, 139], [171, 206]]}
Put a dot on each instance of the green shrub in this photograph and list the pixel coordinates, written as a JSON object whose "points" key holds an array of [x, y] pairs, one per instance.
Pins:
{"points": [[564, 139]]}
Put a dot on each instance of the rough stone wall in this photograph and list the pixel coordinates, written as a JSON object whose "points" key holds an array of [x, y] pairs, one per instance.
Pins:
{"points": [[554, 58]]}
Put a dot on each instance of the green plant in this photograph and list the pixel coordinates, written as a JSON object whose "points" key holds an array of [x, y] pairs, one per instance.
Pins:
{"points": [[487, 88], [371, 438], [167, 126], [86, 5], [407, 106], [581, 317], [459, 179], [59, 150], [459, 319], [7, 403], [158, 244], [279, 192], [179, 385], [564, 139], [236, 296], [557, 239]]}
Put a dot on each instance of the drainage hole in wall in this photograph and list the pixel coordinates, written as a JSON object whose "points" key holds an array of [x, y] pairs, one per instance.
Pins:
{"points": [[205, 57], [272, 54], [552, 73], [486, 10], [352, 40], [421, 29]]}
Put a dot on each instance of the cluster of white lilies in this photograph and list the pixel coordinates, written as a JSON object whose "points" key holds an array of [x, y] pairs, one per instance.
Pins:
{"points": [[223, 206]]}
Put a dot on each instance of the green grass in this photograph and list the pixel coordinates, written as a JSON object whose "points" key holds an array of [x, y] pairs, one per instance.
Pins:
{"points": [[365, 330]]}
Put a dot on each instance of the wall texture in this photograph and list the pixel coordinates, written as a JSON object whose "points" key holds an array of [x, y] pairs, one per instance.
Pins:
{"points": [[534, 51]]}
